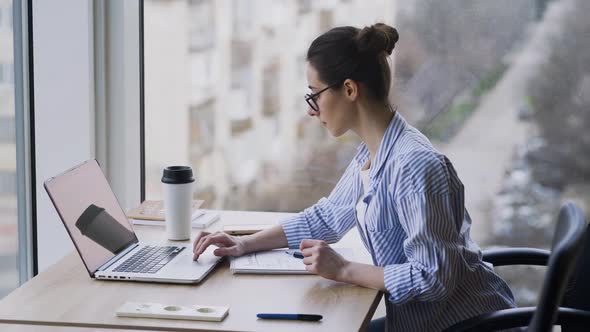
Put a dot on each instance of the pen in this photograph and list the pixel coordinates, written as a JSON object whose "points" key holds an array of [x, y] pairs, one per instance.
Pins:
{"points": [[306, 317], [295, 254]]}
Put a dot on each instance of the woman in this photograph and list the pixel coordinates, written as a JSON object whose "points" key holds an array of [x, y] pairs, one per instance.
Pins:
{"points": [[404, 197]]}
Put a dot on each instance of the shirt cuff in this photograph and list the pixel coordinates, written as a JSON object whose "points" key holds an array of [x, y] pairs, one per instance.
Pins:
{"points": [[296, 229], [399, 282]]}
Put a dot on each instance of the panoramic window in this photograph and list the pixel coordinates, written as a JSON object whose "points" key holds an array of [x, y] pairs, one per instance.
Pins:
{"points": [[500, 87]]}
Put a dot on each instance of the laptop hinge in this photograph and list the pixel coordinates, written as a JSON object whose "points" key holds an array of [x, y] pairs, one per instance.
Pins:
{"points": [[117, 257]]}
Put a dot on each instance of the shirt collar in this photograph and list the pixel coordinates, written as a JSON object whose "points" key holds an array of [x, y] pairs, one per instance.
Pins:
{"points": [[396, 126]]}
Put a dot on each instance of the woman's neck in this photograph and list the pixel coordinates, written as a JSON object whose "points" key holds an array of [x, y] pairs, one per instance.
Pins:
{"points": [[372, 124]]}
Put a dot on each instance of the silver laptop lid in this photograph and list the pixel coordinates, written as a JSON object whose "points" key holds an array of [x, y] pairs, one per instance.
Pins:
{"points": [[91, 214]]}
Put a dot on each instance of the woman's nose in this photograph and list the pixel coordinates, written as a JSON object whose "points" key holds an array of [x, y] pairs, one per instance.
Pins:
{"points": [[312, 112]]}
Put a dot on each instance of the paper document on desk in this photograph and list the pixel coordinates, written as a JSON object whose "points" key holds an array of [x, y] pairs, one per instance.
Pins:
{"points": [[275, 262]]}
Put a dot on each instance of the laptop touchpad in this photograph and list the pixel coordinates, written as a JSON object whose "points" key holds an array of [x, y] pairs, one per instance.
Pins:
{"points": [[186, 259]]}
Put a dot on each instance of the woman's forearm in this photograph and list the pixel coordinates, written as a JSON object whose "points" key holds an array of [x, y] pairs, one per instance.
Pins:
{"points": [[365, 275], [267, 239]]}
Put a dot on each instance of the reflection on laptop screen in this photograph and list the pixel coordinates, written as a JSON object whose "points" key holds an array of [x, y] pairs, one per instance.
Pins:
{"points": [[91, 213]]}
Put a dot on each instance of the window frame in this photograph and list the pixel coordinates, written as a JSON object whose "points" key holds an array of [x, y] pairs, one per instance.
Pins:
{"points": [[25, 139], [118, 93], [105, 104]]}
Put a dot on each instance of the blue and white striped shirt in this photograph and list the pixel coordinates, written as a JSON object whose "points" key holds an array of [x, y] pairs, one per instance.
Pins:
{"points": [[416, 228]]}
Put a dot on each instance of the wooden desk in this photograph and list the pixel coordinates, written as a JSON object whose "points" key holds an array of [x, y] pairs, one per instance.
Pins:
{"points": [[64, 294]]}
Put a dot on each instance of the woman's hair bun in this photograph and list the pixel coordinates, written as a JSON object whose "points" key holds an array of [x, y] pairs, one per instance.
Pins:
{"points": [[376, 38]]}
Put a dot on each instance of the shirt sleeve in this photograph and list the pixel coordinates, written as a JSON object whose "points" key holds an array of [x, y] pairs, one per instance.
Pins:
{"points": [[330, 218], [431, 214]]}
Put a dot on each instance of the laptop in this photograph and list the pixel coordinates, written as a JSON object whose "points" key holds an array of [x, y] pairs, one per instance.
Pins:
{"points": [[104, 237]]}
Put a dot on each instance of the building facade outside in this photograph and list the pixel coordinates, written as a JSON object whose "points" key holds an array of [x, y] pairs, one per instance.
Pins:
{"points": [[225, 82]]}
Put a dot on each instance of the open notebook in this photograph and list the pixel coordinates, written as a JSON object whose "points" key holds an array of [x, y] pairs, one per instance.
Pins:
{"points": [[275, 262]]}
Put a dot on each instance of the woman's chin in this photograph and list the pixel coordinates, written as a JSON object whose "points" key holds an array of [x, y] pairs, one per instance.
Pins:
{"points": [[336, 132]]}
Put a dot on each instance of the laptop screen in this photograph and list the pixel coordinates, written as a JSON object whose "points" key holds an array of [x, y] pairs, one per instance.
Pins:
{"points": [[91, 213]]}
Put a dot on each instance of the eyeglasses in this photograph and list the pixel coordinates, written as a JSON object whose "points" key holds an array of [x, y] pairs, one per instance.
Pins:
{"points": [[311, 98]]}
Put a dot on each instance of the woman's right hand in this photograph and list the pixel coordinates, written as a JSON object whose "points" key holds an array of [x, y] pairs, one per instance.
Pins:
{"points": [[228, 245]]}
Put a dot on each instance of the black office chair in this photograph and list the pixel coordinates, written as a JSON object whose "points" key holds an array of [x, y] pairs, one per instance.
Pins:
{"points": [[568, 243], [577, 294]]}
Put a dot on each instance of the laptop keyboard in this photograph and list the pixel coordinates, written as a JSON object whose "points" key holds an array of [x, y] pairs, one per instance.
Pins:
{"points": [[149, 259]]}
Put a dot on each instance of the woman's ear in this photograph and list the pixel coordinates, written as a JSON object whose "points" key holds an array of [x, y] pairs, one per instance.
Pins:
{"points": [[351, 89]]}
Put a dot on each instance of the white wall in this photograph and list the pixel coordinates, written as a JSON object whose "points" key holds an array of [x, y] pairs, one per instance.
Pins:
{"points": [[64, 116]]}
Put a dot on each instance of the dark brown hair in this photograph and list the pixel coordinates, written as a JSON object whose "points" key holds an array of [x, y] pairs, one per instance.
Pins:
{"points": [[359, 55]]}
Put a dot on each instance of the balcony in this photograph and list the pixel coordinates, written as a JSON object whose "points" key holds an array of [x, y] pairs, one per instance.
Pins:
{"points": [[202, 128], [201, 25]]}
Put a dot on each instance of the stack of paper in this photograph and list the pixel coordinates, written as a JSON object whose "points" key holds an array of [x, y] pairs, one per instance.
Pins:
{"points": [[153, 213], [278, 261], [154, 210], [200, 219]]}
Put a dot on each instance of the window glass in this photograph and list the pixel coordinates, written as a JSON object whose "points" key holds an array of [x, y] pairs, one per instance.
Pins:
{"points": [[501, 87], [9, 278]]}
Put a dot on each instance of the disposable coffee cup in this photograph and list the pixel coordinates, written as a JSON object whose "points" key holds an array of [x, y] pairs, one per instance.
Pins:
{"points": [[99, 226], [178, 196]]}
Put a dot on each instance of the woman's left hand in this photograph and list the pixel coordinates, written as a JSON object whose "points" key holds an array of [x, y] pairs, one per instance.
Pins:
{"points": [[321, 259]]}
